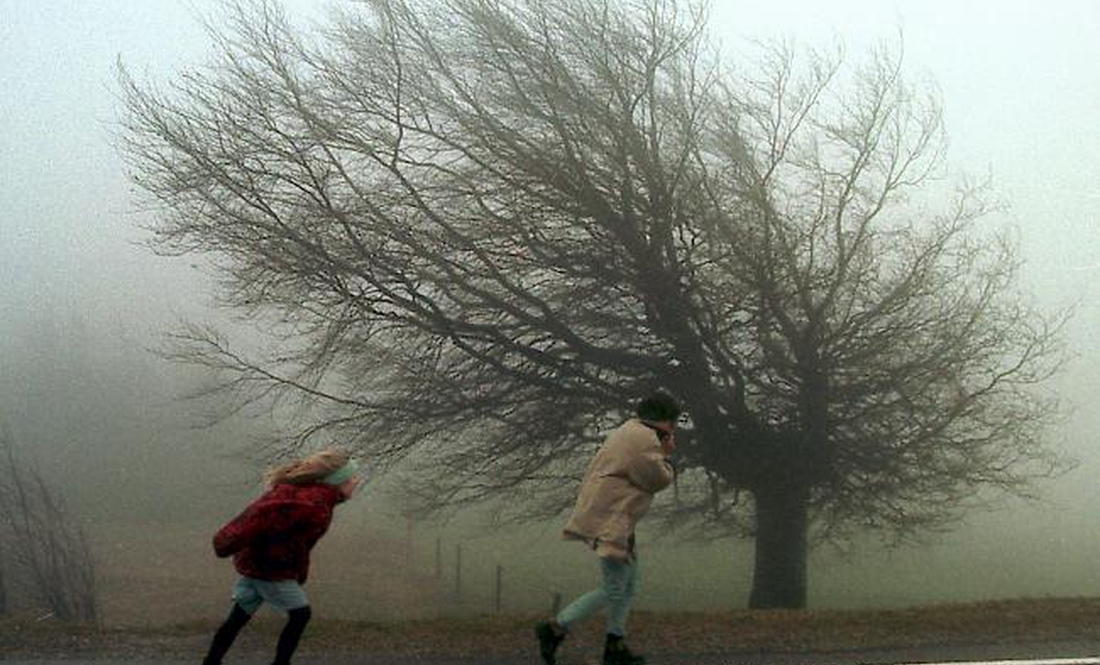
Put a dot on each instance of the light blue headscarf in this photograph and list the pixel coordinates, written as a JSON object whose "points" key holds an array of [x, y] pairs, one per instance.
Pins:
{"points": [[343, 474]]}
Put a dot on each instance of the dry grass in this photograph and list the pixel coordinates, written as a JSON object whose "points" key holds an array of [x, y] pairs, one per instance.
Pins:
{"points": [[163, 594], [168, 574]]}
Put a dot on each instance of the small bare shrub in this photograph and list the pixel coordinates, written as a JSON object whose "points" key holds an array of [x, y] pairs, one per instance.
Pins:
{"points": [[44, 546]]}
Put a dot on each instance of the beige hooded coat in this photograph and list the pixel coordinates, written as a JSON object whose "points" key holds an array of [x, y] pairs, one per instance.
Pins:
{"points": [[618, 488]]}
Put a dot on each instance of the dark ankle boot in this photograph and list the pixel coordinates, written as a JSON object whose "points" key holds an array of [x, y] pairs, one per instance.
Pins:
{"points": [[549, 639], [615, 652]]}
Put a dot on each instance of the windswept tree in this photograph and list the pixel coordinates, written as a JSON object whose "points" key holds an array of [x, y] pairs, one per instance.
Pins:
{"points": [[480, 228]]}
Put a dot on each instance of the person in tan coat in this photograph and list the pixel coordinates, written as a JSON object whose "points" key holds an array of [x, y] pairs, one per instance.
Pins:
{"points": [[618, 487]]}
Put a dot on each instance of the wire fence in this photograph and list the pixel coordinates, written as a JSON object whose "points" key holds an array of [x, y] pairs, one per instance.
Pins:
{"points": [[476, 575]]}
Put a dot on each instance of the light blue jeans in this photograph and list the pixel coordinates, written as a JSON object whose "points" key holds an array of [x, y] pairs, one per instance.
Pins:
{"points": [[619, 581], [284, 595]]}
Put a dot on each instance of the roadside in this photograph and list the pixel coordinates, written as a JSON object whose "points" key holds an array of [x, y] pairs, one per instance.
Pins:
{"points": [[1040, 653], [1047, 628]]}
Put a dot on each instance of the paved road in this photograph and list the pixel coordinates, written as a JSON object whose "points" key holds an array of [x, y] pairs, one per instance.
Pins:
{"points": [[1044, 653]]}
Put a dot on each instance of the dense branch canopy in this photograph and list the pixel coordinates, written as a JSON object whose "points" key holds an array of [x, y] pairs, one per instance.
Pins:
{"points": [[485, 226]]}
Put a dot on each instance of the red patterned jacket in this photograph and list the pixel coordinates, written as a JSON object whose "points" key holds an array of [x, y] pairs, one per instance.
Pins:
{"points": [[272, 537]]}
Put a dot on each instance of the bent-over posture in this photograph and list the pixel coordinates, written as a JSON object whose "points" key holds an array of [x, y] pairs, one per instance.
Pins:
{"points": [[630, 467], [270, 542]]}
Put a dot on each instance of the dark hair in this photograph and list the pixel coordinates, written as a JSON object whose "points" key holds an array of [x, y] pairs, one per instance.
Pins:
{"points": [[659, 406]]}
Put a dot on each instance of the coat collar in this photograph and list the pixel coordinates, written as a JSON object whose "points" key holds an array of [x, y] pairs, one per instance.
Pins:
{"points": [[312, 492]]}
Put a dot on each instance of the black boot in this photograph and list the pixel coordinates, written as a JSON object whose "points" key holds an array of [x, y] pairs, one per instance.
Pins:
{"points": [[616, 653], [223, 639], [549, 639]]}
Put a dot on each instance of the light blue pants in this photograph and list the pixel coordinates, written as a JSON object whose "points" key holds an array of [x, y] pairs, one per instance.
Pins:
{"points": [[619, 581], [284, 595]]}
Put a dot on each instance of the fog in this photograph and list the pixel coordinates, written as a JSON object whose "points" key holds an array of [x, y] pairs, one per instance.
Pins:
{"points": [[81, 301]]}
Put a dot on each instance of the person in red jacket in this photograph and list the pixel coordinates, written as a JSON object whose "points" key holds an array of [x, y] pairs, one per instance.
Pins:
{"points": [[270, 542]]}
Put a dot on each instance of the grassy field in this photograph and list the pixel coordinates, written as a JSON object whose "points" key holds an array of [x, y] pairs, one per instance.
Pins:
{"points": [[162, 594], [171, 576]]}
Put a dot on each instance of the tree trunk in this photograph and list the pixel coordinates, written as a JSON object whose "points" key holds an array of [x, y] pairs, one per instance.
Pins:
{"points": [[779, 575]]}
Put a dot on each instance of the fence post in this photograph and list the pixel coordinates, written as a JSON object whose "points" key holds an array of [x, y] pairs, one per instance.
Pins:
{"points": [[458, 573], [500, 580], [438, 560], [409, 540], [555, 607], [3, 589]]}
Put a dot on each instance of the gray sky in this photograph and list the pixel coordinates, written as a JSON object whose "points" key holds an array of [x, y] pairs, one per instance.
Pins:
{"points": [[1020, 83], [1019, 80]]}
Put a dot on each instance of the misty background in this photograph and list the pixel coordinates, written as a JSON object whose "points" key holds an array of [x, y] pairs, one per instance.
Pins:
{"points": [[82, 301]]}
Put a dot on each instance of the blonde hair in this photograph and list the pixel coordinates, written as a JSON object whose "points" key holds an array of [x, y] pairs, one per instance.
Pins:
{"points": [[312, 469]]}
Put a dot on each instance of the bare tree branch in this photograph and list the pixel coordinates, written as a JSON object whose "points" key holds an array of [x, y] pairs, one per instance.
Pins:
{"points": [[479, 228]]}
